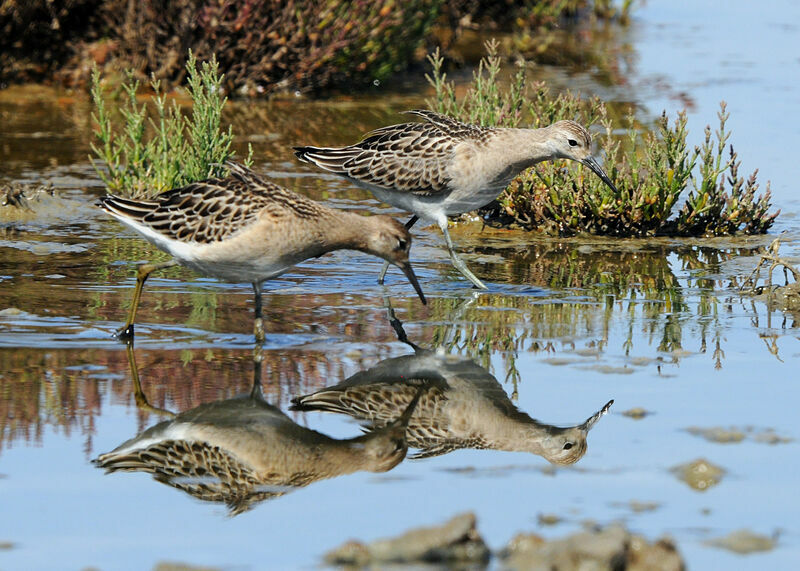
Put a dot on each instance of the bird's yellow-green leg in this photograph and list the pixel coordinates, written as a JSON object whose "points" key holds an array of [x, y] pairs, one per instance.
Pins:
{"points": [[458, 262], [138, 393], [256, 392], [144, 271], [258, 350]]}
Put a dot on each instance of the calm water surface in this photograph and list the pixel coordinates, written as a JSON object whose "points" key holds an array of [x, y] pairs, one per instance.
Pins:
{"points": [[566, 326]]}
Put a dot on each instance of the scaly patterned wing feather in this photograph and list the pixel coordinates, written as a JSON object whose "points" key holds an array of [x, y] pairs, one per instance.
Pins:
{"points": [[206, 472], [214, 209], [434, 439], [410, 157], [379, 404], [432, 451]]}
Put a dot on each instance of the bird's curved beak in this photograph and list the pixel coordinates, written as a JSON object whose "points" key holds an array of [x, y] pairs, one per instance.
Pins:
{"points": [[592, 420], [409, 272], [592, 163]]}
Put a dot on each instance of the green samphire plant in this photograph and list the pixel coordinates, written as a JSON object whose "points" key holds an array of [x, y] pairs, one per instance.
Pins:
{"points": [[651, 170], [150, 153]]}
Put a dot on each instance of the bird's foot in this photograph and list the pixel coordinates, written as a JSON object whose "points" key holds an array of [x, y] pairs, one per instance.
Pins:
{"points": [[124, 333], [258, 330]]}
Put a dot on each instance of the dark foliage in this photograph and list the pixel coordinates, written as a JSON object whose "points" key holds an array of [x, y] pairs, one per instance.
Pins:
{"points": [[37, 37], [268, 45], [261, 45]]}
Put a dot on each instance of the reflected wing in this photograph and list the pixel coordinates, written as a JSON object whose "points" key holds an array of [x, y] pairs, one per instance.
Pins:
{"points": [[437, 450], [205, 472], [379, 404]]}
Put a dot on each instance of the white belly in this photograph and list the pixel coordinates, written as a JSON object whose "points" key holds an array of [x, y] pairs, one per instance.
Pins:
{"points": [[436, 207], [236, 261]]}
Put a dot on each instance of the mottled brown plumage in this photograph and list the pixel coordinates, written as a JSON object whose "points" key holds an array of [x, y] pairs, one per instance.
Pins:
{"points": [[462, 406], [217, 208], [443, 167], [242, 451]]}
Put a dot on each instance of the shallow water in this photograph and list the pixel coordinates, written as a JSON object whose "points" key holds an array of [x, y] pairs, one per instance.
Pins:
{"points": [[566, 326]]}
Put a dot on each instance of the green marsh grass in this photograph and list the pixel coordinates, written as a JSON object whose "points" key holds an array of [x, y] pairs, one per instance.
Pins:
{"points": [[153, 152]]}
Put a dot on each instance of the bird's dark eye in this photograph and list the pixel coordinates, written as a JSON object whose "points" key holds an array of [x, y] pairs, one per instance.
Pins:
{"points": [[401, 244], [568, 445], [572, 142]]}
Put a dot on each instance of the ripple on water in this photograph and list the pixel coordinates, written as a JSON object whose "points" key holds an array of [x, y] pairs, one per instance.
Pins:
{"points": [[45, 248]]}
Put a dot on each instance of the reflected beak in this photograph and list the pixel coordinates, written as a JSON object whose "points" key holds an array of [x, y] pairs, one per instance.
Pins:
{"points": [[409, 411], [592, 163], [409, 272], [592, 420]]}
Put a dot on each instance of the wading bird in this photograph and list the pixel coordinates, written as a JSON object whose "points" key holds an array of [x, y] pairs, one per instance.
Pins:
{"points": [[244, 228], [442, 167]]}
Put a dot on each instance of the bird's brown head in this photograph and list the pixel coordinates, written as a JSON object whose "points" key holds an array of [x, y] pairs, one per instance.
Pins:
{"points": [[386, 447], [565, 446], [392, 242], [572, 141]]}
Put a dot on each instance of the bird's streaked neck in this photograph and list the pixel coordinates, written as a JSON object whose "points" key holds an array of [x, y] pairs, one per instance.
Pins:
{"points": [[348, 231]]}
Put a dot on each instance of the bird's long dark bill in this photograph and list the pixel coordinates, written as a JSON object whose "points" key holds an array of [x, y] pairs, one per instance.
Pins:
{"points": [[409, 272], [592, 163], [406, 416], [592, 420]]}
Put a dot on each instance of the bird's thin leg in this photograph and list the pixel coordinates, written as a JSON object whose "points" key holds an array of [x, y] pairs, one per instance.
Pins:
{"points": [[258, 350], [258, 326], [397, 325], [142, 273], [138, 393], [256, 392], [458, 262], [409, 224]]}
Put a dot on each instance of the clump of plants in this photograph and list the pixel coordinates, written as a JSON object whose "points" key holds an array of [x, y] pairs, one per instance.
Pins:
{"points": [[786, 296], [273, 45], [153, 152], [531, 14], [269, 45], [651, 170]]}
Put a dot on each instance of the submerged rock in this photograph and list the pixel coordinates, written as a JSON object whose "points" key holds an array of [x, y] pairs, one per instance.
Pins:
{"points": [[728, 435], [743, 541], [548, 519], [769, 436], [612, 547], [786, 298], [16, 198], [700, 474], [637, 506], [177, 566], [455, 542], [717, 434], [636, 413]]}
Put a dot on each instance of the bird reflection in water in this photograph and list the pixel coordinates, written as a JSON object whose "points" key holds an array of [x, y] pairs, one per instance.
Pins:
{"points": [[463, 407], [243, 450]]}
